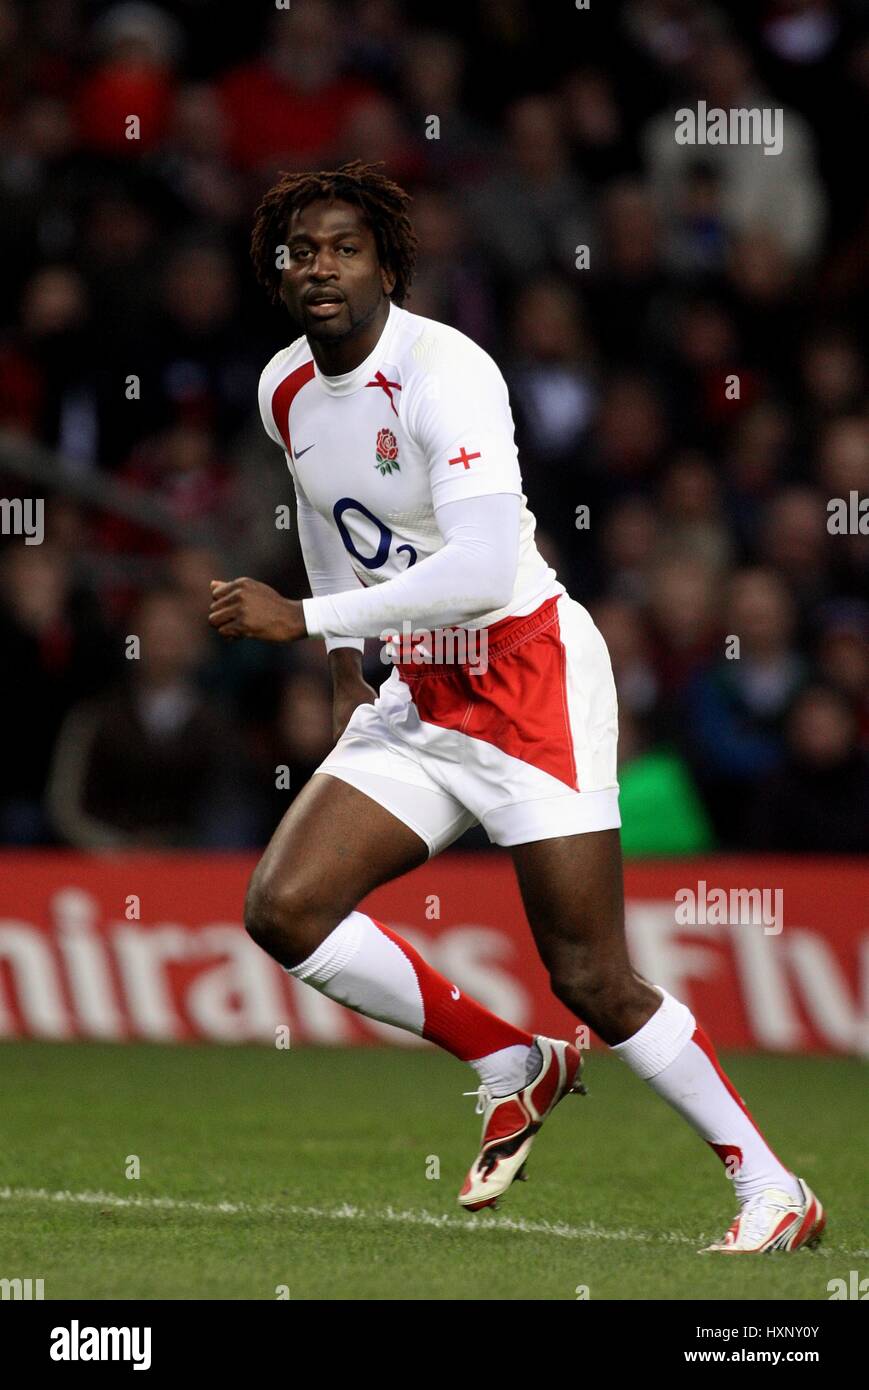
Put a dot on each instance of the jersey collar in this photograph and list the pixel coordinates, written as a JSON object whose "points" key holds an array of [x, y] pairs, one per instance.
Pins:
{"points": [[361, 375]]}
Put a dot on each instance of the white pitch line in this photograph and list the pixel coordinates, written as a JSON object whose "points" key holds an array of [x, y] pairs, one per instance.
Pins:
{"points": [[347, 1212]]}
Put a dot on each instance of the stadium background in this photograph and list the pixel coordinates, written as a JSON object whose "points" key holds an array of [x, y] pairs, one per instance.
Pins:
{"points": [[126, 262]]}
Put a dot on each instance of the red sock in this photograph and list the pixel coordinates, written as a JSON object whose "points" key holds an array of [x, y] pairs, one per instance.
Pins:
{"points": [[453, 1019]]}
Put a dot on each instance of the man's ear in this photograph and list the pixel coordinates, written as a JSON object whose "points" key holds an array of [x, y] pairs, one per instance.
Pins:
{"points": [[387, 280]]}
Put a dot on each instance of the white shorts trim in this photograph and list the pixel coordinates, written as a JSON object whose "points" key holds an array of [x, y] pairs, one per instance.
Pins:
{"points": [[546, 818]]}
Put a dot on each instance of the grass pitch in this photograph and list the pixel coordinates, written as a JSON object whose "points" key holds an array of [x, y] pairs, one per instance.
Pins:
{"points": [[313, 1171]]}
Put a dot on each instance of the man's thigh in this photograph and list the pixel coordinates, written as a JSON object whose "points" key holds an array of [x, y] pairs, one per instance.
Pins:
{"points": [[370, 813], [333, 846]]}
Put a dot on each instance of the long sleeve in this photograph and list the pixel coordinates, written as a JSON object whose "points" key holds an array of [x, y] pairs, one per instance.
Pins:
{"points": [[327, 565], [326, 561], [472, 574]]}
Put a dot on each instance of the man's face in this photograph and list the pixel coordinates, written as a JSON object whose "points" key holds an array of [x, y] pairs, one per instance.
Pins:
{"points": [[334, 283]]}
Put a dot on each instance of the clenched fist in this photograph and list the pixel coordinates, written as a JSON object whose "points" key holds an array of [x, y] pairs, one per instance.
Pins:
{"points": [[246, 608]]}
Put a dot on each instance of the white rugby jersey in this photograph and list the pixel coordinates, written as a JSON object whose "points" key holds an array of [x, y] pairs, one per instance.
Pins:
{"points": [[425, 420]]}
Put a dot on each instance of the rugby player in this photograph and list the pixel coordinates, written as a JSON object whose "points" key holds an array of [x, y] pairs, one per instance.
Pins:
{"points": [[398, 435]]}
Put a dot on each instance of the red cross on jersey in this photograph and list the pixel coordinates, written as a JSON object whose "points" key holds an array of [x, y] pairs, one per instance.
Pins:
{"points": [[387, 386], [464, 457]]}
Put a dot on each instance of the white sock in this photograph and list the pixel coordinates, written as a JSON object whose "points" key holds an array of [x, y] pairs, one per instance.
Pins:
{"points": [[679, 1062], [366, 966], [360, 967], [509, 1070]]}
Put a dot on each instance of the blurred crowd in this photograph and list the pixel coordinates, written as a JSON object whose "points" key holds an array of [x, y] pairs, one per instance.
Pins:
{"points": [[697, 382]]}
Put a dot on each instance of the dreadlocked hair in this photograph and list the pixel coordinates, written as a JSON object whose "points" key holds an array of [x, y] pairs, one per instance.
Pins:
{"points": [[383, 203]]}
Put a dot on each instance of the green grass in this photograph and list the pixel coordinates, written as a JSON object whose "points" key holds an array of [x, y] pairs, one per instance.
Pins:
{"points": [[324, 1128]]}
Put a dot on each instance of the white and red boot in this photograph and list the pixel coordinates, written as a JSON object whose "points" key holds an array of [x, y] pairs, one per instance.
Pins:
{"points": [[773, 1220], [510, 1123]]}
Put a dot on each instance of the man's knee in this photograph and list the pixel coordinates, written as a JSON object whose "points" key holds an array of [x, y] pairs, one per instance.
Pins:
{"points": [[609, 997], [285, 915], [604, 996], [582, 983]]}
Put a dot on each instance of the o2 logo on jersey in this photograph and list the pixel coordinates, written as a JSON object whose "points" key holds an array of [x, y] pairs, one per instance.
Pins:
{"points": [[381, 555]]}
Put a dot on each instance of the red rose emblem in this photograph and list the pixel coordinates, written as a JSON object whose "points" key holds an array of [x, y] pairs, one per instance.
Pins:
{"points": [[387, 445]]}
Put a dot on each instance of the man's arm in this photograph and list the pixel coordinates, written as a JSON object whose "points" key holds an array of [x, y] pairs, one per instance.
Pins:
{"points": [[349, 687], [471, 574], [329, 571], [327, 563]]}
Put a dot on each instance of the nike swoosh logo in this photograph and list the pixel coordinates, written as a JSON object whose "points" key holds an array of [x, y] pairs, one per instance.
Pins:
{"points": [[456, 993], [299, 452]]}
